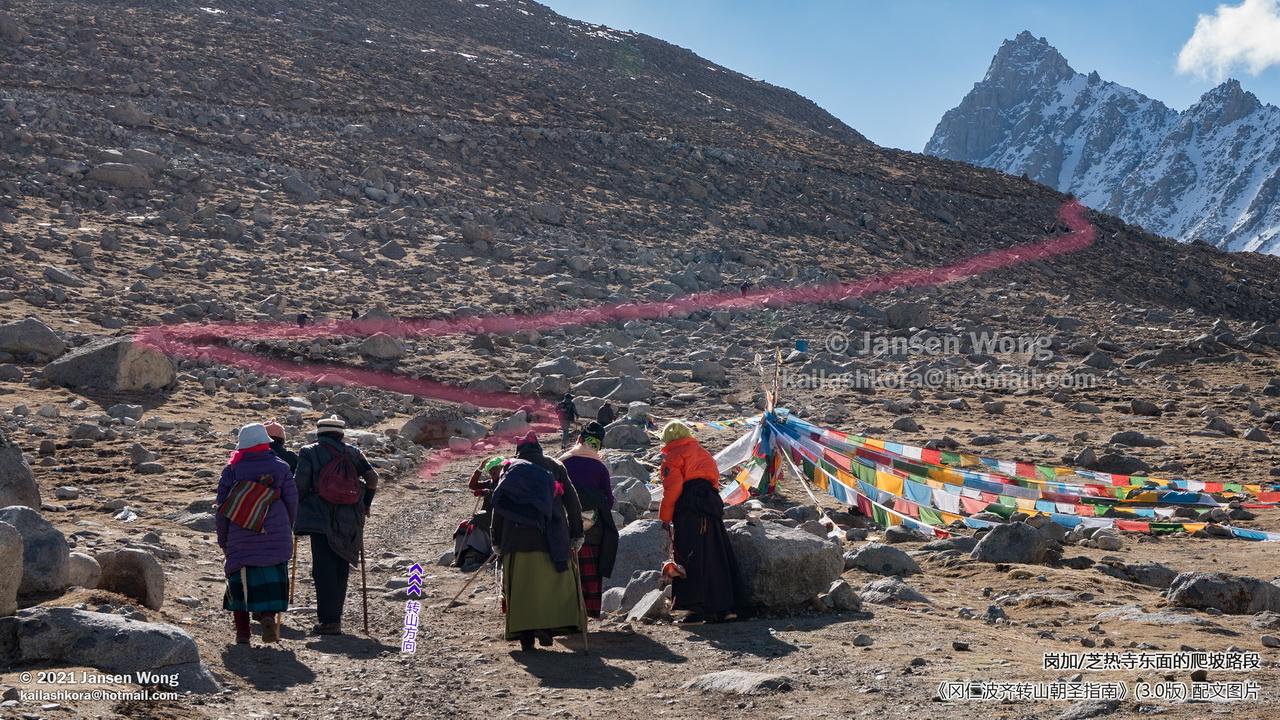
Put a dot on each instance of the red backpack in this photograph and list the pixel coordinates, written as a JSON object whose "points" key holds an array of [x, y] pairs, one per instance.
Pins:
{"points": [[339, 483]]}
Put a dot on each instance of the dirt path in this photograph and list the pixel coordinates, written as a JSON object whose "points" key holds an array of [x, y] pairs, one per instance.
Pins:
{"points": [[463, 669]]}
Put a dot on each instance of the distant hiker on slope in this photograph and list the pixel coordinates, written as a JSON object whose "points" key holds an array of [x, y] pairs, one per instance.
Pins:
{"points": [[692, 508], [605, 415], [590, 478], [537, 530], [336, 485], [568, 414], [471, 543], [257, 502], [276, 431]]}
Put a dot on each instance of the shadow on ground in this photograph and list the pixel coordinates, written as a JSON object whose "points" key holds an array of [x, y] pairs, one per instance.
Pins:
{"points": [[352, 646], [757, 636], [266, 667], [568, 667]]}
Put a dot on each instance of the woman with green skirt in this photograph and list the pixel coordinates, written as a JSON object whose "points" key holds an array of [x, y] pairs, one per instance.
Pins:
{"points": [[537, 531]]}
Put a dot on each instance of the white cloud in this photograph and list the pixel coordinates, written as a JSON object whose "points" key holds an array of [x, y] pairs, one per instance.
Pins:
{"points": [[1245, 35]]}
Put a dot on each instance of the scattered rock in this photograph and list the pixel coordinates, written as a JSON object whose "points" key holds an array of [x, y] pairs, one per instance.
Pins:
{"points": [[83, 570], [739, 682], [889, 590], [17, 483], [1233, 595], [10, 568], [653, 606], [841, 597], [1014, 543], [133, 573], [882, 560], [31, 338], [45, 563]]}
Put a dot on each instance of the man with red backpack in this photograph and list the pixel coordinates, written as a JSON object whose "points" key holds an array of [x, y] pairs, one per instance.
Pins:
{"points": [[336, 485]]}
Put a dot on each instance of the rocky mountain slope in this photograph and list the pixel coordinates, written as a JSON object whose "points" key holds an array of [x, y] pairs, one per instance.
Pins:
{"points": [[1209, 174]]}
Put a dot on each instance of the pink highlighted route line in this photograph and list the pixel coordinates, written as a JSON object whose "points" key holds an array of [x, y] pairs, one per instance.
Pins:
{"points": [[203, 341]]}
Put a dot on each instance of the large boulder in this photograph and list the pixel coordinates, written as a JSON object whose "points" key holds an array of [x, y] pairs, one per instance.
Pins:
{"points": [[783, 567], [626, 435], [1150, 574], [31, 338], [381, 346], [642, 583], [17, 484], [133, 573], [642, 545], [631, 389], [563, 365], [113, 365], [84, 570], [44, 552], [633, 491], [434, 427], [1232, 594], [121, 175], [108, 642], [10, 568], [882, 560], [622, 464], [1014, 543], [904, 315]]}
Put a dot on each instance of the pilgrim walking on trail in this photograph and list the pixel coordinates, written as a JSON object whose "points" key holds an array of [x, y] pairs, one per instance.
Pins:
{"points": [[257, 504], [590, 477], [568, 415], [711, 587], [276, 432], [537, 531], [336, 485], [472, 545]]}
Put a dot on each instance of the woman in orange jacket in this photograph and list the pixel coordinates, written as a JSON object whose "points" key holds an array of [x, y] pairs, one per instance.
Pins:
{"points": [[693, 511]]}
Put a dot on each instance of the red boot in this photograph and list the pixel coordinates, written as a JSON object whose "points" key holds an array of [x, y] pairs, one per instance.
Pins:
{"points": [[241, 619]]}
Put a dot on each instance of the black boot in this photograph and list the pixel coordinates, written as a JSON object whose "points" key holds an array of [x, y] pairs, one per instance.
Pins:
{"points": [[526, 641]]}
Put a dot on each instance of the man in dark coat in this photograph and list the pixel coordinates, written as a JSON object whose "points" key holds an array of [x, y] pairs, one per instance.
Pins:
{"points": [[568, 414], [605, 415], [337, 531]]}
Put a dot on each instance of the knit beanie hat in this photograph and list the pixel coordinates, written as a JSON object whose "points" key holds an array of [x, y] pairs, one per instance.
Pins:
{"points": [[675, 430]]}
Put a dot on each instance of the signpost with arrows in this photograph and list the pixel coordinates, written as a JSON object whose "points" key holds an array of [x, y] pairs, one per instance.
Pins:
{"points": [[409, 641]]}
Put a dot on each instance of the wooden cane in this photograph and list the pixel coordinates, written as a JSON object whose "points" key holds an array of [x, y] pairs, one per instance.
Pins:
{"points": [[364, 591], [470, 580], [293, 571], [582, 603]]}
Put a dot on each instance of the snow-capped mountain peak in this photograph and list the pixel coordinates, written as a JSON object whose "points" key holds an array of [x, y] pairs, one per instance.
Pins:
{"points": [[1210, 173]]}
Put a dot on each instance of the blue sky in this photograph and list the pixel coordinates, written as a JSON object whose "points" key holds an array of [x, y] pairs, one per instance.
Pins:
{"points": [[890, 69]]}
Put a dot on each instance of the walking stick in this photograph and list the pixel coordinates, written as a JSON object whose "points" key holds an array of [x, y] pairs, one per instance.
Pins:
{"points": [[467, 584], [582, 603], [364, 591], [293, 571]]}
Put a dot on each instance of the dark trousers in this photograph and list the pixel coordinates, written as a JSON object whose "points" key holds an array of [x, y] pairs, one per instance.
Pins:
{"points": [[330, 572]]}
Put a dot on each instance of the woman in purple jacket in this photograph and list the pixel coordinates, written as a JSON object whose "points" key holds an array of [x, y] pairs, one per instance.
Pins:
{"points": [[257, 560], [590, 477]]}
